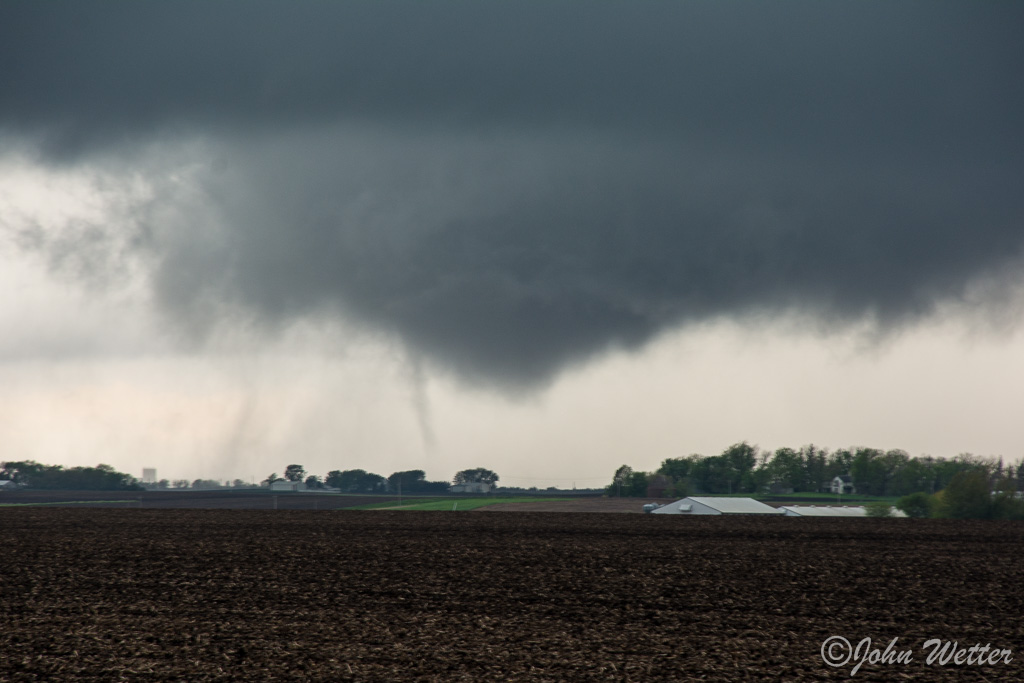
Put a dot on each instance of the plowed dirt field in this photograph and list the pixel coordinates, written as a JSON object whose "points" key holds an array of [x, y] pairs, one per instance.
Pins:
{"points": [[254, 595]]}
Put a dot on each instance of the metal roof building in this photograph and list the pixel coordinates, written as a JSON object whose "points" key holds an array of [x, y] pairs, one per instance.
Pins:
{"points": [[716, 506], [823, 511], [829, 511]]}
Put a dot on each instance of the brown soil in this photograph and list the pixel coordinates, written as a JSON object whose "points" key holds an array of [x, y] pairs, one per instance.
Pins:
{"points": [[243, 499], [223, 595]]}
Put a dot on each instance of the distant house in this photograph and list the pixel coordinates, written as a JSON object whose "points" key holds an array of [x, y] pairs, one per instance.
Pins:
{"points": [[716, 506], [285, 485], [843, 484], [471, 487], [7, 484]]}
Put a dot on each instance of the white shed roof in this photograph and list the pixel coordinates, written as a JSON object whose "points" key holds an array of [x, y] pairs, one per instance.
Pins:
{"points": [[742, 506], [823, 511], [725, 506], [829, 511]]}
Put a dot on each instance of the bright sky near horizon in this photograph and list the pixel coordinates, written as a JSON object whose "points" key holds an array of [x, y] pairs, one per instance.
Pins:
{"points": [[543, 238]]}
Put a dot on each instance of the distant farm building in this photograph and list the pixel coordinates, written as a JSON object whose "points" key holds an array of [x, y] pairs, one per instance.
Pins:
{"points": [[471, 487], [716, 506], [7, 484], [843, 484], [830, 511], [285, 485], [823, 511]]}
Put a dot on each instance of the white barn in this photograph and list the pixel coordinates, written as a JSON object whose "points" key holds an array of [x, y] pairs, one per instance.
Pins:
{"points": [[285, 485], [831, 511], [471, 487], [716, 506]]}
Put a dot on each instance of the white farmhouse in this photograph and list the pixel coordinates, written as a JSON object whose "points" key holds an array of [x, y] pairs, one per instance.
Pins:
{"points": [[843, 484]]}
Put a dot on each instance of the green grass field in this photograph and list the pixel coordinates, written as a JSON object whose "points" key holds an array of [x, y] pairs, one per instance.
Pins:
{"points": [[456, 504]]}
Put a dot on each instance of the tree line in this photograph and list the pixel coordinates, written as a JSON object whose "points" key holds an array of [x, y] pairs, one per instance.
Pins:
{"points": [[361, 481], [742, 468], [30, 474], [969, 495], [35, 475]]}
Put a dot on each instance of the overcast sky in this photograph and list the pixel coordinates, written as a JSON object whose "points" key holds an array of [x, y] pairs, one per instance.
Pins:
{"points": [[546, 237]]}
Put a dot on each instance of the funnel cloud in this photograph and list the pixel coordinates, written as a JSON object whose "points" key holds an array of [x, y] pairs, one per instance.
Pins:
{"points": [[511, 189]]}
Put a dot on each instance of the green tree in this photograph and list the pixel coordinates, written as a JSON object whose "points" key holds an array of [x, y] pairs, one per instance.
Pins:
{"points": [[715, 474], [741, 459], [868, 471], [294, 473], [335, 479], [31, 474], [916, 505], [878, 508], [839, 462], [415, 481], [477, 475], [21, 471], [895, 464], [1006, 505], [680, 489], [620, 480], [636, 486], [918, 475], [967, 497], [408, 481], [356, 481], [676, 468], [786, 468], [816, 465]]}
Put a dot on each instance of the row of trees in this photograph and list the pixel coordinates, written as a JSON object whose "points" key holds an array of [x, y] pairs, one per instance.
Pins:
{"points": [[969, 495], [35, 475], [200, 484], [361, 481], [30, 474], [743, 468]]}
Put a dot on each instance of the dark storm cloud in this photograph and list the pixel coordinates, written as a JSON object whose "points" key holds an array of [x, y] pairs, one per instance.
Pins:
{"points": [[512, 187]]}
